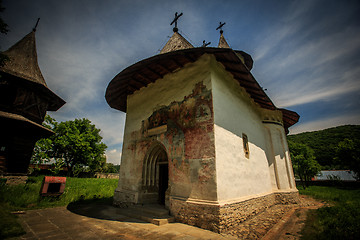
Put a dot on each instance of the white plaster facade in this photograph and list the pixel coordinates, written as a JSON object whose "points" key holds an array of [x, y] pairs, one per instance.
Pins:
{"points": [[268, 168], [231, 177]]}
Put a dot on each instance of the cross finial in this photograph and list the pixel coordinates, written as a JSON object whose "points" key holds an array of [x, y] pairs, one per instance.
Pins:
{"points": [[175, 29], [205, 44], [37, 22], [220, 27]]}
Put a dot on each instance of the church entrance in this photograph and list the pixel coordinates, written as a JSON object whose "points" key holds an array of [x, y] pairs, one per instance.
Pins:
{"points": [[155, 175], [163, 181]]}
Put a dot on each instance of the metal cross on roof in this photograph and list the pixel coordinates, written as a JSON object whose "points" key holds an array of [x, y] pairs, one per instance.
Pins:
{"points": [[175, 29], [220, 27], [205, 44]]}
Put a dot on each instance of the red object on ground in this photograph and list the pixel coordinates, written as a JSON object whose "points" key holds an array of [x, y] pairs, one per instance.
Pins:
{"points": [[53, 186]]}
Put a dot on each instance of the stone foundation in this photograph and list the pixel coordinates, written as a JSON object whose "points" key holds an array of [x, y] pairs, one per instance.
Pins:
{"points": [[202, 215], [124, 198], [222, 218], [15, 180]]}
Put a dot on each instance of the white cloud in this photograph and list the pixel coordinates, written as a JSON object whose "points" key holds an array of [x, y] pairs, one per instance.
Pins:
{"points": [[308, 94], [111, 123], [313, 70], [113, 156], [325, 123]]}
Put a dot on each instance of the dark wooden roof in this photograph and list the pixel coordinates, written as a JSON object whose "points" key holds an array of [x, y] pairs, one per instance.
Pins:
{"points": [[40, 131], [149, 70], [23, 60], [22, 66]]}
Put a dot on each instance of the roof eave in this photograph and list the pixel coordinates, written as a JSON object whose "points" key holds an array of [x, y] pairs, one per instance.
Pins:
{"points": [[149, 70]]}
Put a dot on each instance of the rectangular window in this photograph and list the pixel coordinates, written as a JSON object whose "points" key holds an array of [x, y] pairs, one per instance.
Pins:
{"points": [[246, 145]]}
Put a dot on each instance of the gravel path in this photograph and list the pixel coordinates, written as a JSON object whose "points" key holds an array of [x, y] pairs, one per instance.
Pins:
{"points": [[277, 222]]}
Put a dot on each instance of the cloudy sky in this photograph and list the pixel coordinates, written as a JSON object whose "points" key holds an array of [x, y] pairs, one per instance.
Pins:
{"points": [[306, 53]]}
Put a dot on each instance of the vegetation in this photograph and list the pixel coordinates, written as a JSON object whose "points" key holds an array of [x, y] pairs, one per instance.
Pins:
{"points": [[325, 142], [339, 221], [304, 163], [26, 196], [76, 145], [9, 227], [347, 154]]}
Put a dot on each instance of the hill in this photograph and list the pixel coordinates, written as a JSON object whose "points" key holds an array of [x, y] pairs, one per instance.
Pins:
{"points": [[324, 142]]}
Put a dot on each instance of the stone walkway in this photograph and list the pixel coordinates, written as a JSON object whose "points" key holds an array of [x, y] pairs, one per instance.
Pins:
{"points": [[108, 223], [99, 221]]}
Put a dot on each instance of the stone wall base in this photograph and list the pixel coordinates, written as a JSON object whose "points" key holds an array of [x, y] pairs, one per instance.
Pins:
{"points": [[124, 198], [221, 218], [15, 180]]}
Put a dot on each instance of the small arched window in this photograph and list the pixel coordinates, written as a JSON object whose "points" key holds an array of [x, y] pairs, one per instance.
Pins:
{"points": [[246, 145]]}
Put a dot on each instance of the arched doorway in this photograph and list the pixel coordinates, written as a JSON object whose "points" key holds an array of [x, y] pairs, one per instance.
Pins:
{"points": [[155, 174]]}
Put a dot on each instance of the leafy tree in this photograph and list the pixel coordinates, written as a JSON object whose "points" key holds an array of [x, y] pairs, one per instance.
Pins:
{"points": [[304, 162], [43, 148], [76, 143], [110, 168], [325, 142], [347, 154]]}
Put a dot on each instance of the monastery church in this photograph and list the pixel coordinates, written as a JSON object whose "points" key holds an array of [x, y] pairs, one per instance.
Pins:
{"points": [[201, 136]]}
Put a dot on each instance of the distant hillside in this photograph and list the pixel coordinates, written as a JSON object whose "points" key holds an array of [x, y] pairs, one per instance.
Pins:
{"points": [[324, 142]]}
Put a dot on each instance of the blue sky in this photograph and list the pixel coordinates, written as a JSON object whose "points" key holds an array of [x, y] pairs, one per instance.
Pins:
{"points": [[306, 53]]}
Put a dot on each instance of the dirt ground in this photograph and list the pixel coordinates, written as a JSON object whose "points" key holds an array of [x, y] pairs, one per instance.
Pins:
{"points": [[278, 222]]}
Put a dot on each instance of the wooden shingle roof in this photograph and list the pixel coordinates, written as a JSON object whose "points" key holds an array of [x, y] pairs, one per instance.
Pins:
{"points": [[22, 67], [222, 42], [23, 60], [176, 42], [140, 74]]}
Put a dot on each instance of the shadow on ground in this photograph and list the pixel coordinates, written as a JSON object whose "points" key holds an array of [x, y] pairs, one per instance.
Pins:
{"points": [[100, 209]]}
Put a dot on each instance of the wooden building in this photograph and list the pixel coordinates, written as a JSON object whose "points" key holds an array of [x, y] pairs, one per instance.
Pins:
{"points": [[24, 101]]}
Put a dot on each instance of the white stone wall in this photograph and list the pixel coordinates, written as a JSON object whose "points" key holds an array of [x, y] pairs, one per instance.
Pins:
{"points": [[280, 167], [235, 113], [268, 168]]}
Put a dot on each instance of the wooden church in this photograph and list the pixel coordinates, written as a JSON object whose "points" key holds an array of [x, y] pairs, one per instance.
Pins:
{"points": [[24, 100], [201, 136]]}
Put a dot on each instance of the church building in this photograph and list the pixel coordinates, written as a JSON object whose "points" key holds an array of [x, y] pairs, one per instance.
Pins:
{"points": [[201, 136]]}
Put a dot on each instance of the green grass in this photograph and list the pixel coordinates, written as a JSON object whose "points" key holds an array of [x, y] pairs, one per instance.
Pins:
{"points": [[9, 227], [339, 221], [26, 196]]}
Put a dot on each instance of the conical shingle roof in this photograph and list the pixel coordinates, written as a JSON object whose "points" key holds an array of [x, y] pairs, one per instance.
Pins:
{"points": [[176, 42], [222, 42], [22, 61]]}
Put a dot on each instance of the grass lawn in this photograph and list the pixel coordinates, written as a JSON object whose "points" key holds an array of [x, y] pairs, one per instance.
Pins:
{"points": [[26, 196], [339, 221]]}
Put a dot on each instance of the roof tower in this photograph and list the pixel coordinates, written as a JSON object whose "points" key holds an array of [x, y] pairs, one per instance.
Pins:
{"points": [[176, 42], [22, 64]]}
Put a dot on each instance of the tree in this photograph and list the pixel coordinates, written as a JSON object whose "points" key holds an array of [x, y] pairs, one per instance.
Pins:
{"points": [[110, 168], [324, 143], [76, 143], [347, 154], [43, 148], [304, 162]]}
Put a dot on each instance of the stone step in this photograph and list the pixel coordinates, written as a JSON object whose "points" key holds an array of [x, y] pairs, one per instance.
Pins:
{"points": [[153, 209], [155, 214]]}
